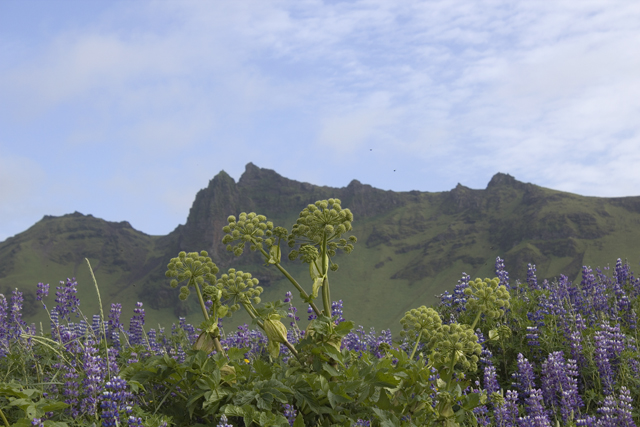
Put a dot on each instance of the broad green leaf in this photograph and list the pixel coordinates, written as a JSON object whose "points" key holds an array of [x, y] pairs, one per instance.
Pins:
{"points": [[299, 422], [54, 406]]}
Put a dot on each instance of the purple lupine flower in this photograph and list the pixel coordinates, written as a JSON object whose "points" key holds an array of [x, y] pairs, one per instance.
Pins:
{"points": [[532, 336], [189, 329], [311, 313], [525, 378], [290, 413], [532, 280], [361, 423], [156, 348], [586, 421], [136, 326], [133, 421], [16, 324], [507, 414], [482, 415], [4, 326], [536, 415], [560, 385], [624, 408], [609, 412], [491, 380], [336, 311], [66, 298], [501, 273], [223, 422], [116, 399], [42, 291], [360, 341], [621, 272], [537, 316], [601, 358], [459, 300], [113, 332], [253, 340], [95, 325], [445, 299], [94, 368], [71, 389]]}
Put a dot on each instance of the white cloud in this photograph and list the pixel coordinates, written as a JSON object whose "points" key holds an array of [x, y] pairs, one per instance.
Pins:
{"points": [[547, 91]]}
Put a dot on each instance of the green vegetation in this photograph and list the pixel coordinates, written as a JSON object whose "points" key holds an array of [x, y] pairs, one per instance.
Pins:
{"points": [[492, 352]]}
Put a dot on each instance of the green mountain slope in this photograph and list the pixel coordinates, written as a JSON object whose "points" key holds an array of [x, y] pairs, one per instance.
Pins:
{"points": [[411, 246]]}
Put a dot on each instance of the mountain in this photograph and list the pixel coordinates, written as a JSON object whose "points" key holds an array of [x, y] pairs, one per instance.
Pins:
{"points": [[411, 246]]}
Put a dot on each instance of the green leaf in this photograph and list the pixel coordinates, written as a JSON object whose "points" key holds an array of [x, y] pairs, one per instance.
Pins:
{"points": [[249, 413], [331, 370], [314, 271], [274, 254], [299, 422], [317, 283], [274, 349], [236, 353], [233, 411], [383, 401], [263, 369], [343, 328], [54, 406]]}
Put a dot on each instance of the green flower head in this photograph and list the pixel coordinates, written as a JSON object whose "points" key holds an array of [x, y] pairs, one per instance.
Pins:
{"points": [[248, 228], [192, 267], [488, 297], [456, 344], [422, 319], [238, 287], [323, 220]]}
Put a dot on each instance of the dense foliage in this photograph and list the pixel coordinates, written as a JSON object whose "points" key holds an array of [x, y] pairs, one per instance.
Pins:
{"points": [[492, 352]]}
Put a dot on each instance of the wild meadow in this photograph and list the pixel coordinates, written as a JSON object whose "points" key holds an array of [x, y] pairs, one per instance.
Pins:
{"points": [[492, 352]]}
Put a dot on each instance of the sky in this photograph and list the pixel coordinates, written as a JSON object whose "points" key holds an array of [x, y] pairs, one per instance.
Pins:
{"points": [[125, 110]]}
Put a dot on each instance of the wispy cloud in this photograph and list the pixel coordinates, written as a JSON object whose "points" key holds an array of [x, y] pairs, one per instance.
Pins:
{"points": [[442, 91]]}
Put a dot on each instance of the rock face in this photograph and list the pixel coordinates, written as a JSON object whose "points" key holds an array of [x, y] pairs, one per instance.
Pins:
{"points": [[415, 242]]}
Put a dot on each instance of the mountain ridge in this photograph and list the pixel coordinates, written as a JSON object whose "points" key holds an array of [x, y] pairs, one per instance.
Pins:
{"points": [[417, 243]]}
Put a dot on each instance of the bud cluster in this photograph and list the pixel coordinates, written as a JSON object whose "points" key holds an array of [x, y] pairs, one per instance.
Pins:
{"points": [[490, 297], [424, 321], [249, 228], [455, 344], [323, 221], [193, 267], [237, 287]]}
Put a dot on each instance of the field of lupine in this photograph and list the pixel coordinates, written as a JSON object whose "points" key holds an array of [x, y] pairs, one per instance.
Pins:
{"points": [[496, 352]]}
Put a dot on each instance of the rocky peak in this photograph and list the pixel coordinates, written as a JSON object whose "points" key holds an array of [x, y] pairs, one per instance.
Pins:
{"points": [[502, 180]]}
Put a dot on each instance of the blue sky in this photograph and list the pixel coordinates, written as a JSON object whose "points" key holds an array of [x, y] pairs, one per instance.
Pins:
{"points": [[124, 110]]}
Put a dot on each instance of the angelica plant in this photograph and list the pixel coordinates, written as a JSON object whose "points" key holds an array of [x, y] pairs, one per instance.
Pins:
{"points": [[489, 297], [196, 269], [315, 238], [423, 321]]}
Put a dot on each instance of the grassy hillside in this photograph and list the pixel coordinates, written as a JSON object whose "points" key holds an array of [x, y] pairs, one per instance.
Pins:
{"points": [[411, 246]]}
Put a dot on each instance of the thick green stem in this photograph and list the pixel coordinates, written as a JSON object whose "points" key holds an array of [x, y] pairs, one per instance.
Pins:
{"points": [[216, 341], [476, 321], [4, 419], [415, 347], [293, 281], [326, 296]]}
